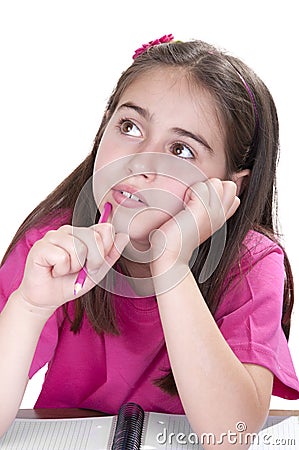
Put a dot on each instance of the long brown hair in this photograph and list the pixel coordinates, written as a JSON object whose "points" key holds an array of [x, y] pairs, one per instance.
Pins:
{"points": [[252, 141]]}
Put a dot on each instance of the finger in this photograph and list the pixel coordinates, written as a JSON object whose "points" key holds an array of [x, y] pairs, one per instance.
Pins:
{"points": [[215, 186], [233, 208], [100, 242], [75, 247], [215, 209], [229, 194], [51, 257], [198, 191], [121, 240], [97, 240], [230, 200], [106, 231]]}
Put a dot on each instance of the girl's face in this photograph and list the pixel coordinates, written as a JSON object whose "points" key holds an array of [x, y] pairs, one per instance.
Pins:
{"points": [[164, 136]]}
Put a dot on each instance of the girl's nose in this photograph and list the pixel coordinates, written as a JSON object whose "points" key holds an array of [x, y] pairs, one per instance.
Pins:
{"points": [[145, 164]]}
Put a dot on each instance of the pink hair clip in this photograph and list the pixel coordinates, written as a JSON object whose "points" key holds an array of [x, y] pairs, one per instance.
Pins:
{"points": [[162, 40]]}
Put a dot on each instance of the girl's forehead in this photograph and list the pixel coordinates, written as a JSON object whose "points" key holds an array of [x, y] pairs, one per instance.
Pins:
{"points": [[163, 80], [175, 96]]}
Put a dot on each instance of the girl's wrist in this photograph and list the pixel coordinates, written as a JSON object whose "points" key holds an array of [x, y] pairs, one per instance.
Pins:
{"points": [[167, 275], [166, 263], [44, 312]]}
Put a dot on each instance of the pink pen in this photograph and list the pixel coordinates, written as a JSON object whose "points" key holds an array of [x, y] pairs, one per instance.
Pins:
{"points": [[82, 274]]}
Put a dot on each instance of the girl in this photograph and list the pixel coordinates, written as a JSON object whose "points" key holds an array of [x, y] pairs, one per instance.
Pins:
{"points": [[187, 303]]}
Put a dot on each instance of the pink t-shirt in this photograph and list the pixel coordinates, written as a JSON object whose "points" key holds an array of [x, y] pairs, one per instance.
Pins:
{"points": [[102, 372]]}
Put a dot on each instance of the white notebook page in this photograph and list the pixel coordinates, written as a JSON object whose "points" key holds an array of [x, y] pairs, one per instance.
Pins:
{"points": [[65, 434]]}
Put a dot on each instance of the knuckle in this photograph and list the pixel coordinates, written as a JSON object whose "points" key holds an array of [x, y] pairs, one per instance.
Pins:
{"points": [[104, 228], [105, 235], [80, 247], [214, 181], [66, 228], [63, 257], [37, 246], [49, 234]]}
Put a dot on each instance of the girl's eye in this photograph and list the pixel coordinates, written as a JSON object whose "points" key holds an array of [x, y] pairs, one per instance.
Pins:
{"points": [[128, 127], [181, 150]]}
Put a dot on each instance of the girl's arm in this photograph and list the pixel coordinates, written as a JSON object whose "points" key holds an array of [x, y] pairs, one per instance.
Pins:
{"points": [[50, 272], [217, 391], [20, 328]]}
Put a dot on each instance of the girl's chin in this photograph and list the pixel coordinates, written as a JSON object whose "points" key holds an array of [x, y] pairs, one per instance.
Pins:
{"points": [[139, 229]]}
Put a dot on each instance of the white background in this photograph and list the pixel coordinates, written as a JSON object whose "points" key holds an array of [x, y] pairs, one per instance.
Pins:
{"points": [[61, 59]]}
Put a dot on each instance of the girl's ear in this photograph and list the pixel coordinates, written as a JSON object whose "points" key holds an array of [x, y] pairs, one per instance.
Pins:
{"points": [[241, 179]]}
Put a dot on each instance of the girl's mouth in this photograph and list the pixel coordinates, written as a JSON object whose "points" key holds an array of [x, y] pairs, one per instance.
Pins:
{"points": [[128, 196], [132, 196]]}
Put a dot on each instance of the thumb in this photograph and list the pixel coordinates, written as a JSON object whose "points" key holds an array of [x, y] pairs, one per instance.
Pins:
{"points": [[119, 244], [120, 241]]}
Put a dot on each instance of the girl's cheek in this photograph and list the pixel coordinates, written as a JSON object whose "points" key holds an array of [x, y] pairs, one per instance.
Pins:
{"points": [[103, 158], [178, 189]]}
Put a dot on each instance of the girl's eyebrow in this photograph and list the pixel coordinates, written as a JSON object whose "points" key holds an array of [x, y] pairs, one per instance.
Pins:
{"points": [[142, 111], [195, 137], [179, 131]]}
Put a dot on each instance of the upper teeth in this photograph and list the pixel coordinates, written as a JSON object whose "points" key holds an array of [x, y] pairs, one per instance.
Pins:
{"points": [[132, 196]]}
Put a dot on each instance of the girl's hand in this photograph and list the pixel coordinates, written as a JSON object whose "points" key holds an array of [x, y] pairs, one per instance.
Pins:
{"points": [[54, 262], [208, 205]]}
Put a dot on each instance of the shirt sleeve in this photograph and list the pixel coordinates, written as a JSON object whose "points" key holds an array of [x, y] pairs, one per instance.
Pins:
{"points": [[249, 318], [11, 274]]}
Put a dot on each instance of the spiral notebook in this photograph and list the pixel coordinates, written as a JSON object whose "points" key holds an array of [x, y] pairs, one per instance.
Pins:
{"points": [[134, 429]]}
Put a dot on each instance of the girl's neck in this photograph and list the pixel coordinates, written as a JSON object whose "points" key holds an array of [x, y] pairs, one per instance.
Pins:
{"points": [[139, 276]]}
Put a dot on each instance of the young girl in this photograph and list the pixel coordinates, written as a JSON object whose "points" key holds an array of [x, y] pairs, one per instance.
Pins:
{"points": [[187, 301]]}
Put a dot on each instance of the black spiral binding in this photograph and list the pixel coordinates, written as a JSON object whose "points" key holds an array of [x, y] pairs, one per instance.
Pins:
{"points": [[128, 430]]}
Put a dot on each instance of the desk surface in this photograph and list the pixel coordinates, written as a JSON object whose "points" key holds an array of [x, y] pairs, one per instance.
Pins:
{"points": [[63, 413], [58, 413]]}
